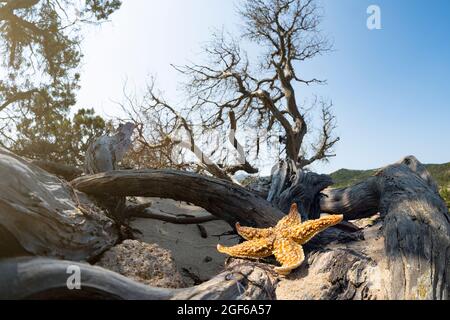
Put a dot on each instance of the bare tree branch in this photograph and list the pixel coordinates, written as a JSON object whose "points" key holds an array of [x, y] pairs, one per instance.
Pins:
{"points": [[323, 149]]}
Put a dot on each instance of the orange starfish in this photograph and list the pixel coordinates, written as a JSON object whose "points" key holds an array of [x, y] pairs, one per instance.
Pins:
{"points": [[284, 241]]}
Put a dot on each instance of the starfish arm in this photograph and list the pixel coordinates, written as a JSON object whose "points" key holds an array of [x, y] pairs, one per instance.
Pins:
{"points": [[293, 218], [289, 254], [253, 233], [254, 249], [306, 231]]}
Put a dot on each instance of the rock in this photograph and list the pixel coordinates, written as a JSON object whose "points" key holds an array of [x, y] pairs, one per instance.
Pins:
{"points": [[146, 263]]}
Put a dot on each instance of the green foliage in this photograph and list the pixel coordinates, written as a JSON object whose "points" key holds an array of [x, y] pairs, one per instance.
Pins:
{"points": [[54, 137], [440, 173], [445, 194], [41, 55], [102, 9], [344, 177]]}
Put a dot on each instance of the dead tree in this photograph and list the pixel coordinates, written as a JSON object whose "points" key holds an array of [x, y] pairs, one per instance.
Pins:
{"points": [[228, 93], [263, 96]]}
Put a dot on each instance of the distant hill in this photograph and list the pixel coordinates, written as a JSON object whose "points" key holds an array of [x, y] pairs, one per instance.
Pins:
{"points": [[345, 177], [440, 173]]}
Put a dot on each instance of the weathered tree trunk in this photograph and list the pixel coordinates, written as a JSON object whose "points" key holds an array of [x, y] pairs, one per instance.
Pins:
{"points": [[221, 198], [404, 256], [279, 181], [306, 192], [39, 278], [291, 185], [42, 215]]}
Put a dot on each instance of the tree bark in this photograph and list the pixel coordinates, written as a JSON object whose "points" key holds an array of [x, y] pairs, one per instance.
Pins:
{"points": [[279, 181], [305, 190], [221, 198], [61, 170], [289, 185], [39, 278], [42, 215]]}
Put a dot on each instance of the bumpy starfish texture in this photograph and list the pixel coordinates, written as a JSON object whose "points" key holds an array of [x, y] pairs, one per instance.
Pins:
{"points": [[284, 241]]}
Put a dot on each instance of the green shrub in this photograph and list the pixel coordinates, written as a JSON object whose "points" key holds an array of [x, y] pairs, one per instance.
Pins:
{"points": [[445, 194]]}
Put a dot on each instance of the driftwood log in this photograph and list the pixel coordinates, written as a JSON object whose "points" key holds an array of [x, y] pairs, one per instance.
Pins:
{"points": [[405, 254], [40, 278], [221, 198], [42, 215]]}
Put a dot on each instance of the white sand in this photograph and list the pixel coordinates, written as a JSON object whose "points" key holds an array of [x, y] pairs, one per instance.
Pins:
{"points": [[189, 250]]}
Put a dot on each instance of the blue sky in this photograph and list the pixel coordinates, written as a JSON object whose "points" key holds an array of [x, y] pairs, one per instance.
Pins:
{"points": [[390, 87]]}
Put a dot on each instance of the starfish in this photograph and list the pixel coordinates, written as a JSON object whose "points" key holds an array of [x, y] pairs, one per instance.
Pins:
{"points": [[284, 241]]}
